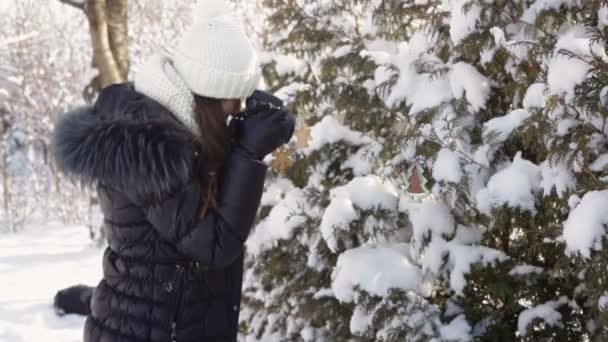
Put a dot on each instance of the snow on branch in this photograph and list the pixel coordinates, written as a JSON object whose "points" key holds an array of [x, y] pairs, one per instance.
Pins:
{"points": [[18, 39]]}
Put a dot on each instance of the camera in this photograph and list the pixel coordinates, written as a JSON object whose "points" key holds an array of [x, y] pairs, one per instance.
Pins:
{"points": [[262, 98], [258, 99]]}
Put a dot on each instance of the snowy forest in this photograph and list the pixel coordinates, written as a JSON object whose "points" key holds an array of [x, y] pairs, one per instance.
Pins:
{"points": [[447, 181]]}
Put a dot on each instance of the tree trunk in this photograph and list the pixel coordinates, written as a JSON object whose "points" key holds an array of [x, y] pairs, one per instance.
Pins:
{"points": [[118, 33], [108, 29]]}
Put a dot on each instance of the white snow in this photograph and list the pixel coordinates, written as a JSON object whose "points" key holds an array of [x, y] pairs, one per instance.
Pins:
{"points": [[465, 80], [603, 96], [573, 201], [360, 321], [379, 57], [600, 163], [503, 126], [536, 96], [288, 92], [329, 131], [457, 330], [547, 312], [363, 160], [525, 269], [324, 293], [452, 309], [468, 235], [368, 192], [338, 215], [487, 55], [463, 256], [564, 126], [35, 264], [498, 34], [381, 75], [514, 186], [360, 193], [447, 166], [556, 175], [429, 217], [374, 269], [418, 44], [289, 64], [307, 334], [280, 222], [602, 302], [564, 72], [433, 219], [460, 257], [276, 191], [483, 154], [462, 23], [419, 90], [586, 224], [342, 51], [602, 17]]}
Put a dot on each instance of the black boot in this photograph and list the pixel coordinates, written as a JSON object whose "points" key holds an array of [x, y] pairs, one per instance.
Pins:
{"points": [[74, 300]]}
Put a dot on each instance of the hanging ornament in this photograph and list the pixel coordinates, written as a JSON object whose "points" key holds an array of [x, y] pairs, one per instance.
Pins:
{"points": [[283, 159], [415, 184], [303, 136]]}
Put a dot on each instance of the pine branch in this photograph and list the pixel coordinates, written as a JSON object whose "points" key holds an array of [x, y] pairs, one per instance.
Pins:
{"points": [[73, 3], [457, 150]]}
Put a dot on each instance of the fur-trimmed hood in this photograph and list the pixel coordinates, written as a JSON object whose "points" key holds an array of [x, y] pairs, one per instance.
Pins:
{"points": [[129, 142]]}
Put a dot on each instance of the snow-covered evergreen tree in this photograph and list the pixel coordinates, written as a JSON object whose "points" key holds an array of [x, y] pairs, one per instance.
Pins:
{"points": [[332, 244], [501, 105]]}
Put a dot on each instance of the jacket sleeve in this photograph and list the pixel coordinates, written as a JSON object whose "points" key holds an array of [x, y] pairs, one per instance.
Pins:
{"points": [[218, 238]]}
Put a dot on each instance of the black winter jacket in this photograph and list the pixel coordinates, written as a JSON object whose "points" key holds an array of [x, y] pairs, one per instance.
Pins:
{"points": [[168, 274]]}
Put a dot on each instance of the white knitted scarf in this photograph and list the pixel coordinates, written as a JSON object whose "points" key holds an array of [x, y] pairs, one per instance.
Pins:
{"points": [[159, 80]]}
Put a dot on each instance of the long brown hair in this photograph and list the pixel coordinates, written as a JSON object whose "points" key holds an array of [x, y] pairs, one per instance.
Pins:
{"points": [[215, 138]]}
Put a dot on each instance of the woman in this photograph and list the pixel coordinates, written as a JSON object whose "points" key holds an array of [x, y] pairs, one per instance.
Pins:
{"points": [[179, 190]]}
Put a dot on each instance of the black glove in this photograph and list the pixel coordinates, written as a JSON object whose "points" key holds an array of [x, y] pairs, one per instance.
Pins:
{"points": [[262, 130]]}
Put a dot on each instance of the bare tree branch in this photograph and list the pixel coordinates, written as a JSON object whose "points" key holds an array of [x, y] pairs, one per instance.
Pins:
{"points": [[76, 4], [18, 39]]}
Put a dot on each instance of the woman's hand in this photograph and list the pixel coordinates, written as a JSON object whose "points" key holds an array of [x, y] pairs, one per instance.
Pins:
{"points": [[262, 130]]}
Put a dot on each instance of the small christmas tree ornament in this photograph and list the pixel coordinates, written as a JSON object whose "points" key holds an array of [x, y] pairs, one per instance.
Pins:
{"points": [[283, 159], [303, 136], [415, 184]]}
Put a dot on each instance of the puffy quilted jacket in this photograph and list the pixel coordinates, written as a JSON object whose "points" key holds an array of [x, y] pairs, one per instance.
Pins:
{"points": [[168, 273]]}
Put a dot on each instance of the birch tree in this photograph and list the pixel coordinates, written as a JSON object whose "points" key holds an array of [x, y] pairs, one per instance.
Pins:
{"points": [[108, 30]]}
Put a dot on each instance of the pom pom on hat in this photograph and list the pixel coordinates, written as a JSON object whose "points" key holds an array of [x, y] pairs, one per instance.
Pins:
{"points": [[214, 56]]}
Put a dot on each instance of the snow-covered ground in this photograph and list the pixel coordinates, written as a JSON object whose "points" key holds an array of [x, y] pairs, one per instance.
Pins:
{"points": [[34, 264]]}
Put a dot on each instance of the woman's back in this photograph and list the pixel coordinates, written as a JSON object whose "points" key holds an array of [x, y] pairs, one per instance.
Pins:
{"points": [[141, 157]]}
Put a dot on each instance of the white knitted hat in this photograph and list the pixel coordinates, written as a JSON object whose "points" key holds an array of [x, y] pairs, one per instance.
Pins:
{"points": [[214, 56]]}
